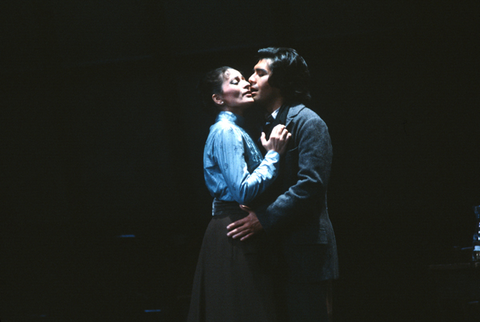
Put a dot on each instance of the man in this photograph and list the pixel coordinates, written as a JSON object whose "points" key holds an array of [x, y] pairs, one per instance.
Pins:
{"points": [[293, 212]]}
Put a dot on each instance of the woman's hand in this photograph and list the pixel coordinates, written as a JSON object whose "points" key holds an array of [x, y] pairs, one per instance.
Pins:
{"points": [[278, 139]]}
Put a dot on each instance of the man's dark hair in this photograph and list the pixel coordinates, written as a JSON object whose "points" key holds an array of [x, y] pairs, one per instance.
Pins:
{"points": [[289, 73], [211, 84]]}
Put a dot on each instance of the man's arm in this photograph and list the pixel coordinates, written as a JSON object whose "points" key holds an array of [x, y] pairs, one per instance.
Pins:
{"points": [[314, 161], [307, 190]]}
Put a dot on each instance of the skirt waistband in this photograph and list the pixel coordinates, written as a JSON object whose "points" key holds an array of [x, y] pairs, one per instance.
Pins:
{"points": [[220, 207]]}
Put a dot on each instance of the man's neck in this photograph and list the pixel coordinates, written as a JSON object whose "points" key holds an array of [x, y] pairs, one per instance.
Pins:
{"points": [[274, 105]]}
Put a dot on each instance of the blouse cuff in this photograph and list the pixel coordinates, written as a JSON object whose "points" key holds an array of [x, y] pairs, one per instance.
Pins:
{"points": [[273, 156]]}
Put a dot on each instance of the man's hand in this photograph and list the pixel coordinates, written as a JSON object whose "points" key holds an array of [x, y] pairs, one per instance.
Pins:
{"points": [[245, 227]]}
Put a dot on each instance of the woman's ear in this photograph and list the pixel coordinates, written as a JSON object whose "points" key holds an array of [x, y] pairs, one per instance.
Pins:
{"points": [[217, 99]]}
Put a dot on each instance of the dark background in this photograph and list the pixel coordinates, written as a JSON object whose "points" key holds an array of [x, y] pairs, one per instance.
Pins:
{"points": [[103, 204]]}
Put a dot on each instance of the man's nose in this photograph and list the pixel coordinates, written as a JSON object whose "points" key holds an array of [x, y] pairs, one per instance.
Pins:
{"points": [[252, 79]]}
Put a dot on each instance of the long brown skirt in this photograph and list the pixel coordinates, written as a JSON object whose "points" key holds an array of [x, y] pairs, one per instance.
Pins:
{"points": [[233, 279]]}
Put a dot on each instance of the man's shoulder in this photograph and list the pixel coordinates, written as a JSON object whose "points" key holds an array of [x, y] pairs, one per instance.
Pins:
{"points": [[301, 112]]}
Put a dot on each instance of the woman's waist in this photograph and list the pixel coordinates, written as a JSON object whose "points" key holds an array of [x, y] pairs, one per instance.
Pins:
{"points": [[221, 208]]}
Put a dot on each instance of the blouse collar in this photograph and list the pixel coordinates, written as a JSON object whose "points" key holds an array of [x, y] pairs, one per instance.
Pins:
{"points": [[231, 117]]}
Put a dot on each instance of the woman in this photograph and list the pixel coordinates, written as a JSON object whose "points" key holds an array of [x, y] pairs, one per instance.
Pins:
{"points": [[231, 281]]}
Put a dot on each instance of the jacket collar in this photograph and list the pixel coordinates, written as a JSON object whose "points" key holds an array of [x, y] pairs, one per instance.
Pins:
{"points": [[293, 112]]}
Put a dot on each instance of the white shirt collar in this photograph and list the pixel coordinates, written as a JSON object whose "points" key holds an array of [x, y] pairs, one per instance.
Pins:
{"points": [[275, 113]]}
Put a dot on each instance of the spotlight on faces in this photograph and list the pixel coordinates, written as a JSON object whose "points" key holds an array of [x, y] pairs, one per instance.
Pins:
{"points": [[261, 89], [236, 95]]}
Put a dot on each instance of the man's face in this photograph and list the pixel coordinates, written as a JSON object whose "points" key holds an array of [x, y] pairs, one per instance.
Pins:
{"points": [[262, 92]]}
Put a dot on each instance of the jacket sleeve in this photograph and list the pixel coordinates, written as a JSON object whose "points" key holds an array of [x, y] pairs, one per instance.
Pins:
{"points": [[312, 157]]}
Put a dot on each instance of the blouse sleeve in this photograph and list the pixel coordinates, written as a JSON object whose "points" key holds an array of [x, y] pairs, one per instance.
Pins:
{"points": [[243, 185]]}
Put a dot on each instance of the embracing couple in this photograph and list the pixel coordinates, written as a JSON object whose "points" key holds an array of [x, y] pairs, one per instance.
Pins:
{"points": [[269, 252]]}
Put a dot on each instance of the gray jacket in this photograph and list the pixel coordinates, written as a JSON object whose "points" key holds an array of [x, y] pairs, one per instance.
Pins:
{"points": [[297, 214]]}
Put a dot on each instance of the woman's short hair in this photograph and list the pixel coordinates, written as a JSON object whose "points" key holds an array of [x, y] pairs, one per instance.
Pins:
{"points": [[211, 84], [289, 73]]}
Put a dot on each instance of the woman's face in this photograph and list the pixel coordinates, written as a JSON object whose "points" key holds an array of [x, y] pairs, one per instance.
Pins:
{"points": [[236, 95]]}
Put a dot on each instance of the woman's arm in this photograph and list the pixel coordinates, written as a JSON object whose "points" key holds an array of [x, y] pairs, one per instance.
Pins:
{"points": [[230, 150]]}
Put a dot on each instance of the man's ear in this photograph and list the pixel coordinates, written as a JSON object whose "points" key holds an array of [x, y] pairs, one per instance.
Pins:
{"points": [[217, 99]]}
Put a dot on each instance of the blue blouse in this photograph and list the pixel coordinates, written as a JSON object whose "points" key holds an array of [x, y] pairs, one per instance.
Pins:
{"points": [[233, 165]]}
